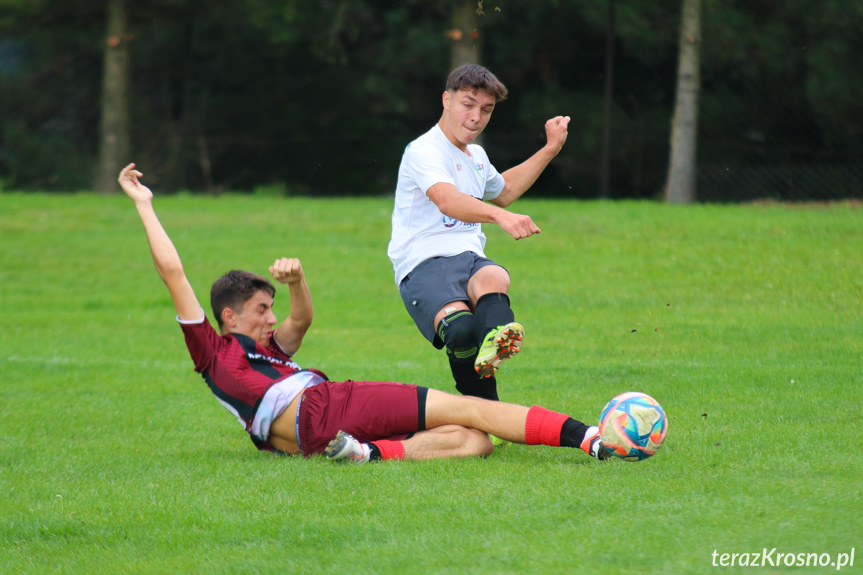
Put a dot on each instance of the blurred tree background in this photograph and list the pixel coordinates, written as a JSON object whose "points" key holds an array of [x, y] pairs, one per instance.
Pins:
{"points": [[320, 98]]}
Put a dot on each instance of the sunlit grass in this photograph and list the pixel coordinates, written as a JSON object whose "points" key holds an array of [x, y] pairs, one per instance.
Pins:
{"points": [[743, 321]]}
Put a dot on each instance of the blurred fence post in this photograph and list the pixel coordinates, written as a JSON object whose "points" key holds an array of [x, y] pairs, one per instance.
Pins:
{"points": [[114, 128], [682, 168], [605, 164]]}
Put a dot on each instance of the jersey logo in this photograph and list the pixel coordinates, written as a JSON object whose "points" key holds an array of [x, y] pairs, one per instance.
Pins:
{"points": [[449, 222], [270, 359]]}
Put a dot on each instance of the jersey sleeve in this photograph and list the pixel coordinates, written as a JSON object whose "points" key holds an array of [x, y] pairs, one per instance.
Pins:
{"points": [[426, 166], [494, 181], [275, 346], [202, 341]]}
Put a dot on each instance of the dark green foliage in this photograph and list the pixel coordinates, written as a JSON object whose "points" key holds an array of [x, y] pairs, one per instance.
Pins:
{"points": [[321, 97]]}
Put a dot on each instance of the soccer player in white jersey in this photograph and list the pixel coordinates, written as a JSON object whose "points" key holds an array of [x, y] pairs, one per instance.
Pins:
{"points": [[447, 188], [249, 366]]}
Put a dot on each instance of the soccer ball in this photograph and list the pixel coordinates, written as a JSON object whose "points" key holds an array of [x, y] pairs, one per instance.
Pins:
{"points": [[632, 426]]}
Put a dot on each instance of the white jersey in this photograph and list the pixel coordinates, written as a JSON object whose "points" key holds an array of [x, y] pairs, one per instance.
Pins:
{"points": [[420, 230]]}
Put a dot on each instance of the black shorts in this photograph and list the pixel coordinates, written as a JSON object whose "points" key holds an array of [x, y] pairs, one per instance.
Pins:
{"points": [[436, 282]]}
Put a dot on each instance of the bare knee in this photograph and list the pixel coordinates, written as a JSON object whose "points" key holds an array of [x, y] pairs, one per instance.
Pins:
{"points": [[476, 442], [490, 279]]}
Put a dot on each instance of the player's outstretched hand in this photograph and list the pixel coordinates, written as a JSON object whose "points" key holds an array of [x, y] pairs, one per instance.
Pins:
{"points": [[134, 189], [556, 131], [287, 270]]}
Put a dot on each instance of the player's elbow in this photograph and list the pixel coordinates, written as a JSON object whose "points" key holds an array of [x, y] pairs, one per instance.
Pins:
{"points": [[504, 200], [444, 205], [170, 271], [302, 325], [446, 198]]}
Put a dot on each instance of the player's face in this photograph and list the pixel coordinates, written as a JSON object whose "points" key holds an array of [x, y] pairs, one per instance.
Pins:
{"points": [[466, 115], [257, 318]]}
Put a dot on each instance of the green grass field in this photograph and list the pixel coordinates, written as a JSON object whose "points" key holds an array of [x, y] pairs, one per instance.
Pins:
{"points": [[745, 322]]}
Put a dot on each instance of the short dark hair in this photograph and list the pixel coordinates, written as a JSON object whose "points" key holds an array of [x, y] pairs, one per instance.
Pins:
{"points": [[474, 77], [234, 289]]}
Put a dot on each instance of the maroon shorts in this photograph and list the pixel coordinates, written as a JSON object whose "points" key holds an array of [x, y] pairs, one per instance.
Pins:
{"points": [[368, 410]]}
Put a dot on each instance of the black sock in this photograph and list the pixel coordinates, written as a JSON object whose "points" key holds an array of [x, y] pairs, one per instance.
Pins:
{"points": [[467, 382], [492, 310], [375, 452], [572, 433], [458, 332]]}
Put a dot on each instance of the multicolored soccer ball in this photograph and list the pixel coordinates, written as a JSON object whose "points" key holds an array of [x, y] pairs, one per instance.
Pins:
{"points": [[632, 426]]}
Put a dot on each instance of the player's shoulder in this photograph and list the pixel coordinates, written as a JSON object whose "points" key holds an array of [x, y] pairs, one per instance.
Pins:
{"points": [[477, 152], [425, 142], [424, 153]]}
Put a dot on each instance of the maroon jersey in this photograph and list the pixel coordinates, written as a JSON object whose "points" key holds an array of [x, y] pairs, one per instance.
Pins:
{"points": [[238, 370]]}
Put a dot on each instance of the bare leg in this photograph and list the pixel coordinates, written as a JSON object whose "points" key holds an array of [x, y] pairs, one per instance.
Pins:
{"points": [[490, 279], [505, 420], [458, 426], [516, 423], [438, 443], [448, 441]]}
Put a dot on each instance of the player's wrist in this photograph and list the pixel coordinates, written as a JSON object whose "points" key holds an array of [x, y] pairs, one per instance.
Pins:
{"points": [[552, 149], [145, 204]]}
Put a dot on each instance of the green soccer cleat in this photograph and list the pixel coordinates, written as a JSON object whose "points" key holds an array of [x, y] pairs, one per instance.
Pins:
{"points": [[497, 442], [500, 344]]}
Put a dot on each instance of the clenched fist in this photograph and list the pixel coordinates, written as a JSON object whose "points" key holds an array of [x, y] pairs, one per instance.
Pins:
{"points": [[287, 270]]}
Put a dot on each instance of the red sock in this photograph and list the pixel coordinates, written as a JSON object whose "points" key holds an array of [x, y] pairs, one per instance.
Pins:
{"points": [[390, 449], [543, 426]]}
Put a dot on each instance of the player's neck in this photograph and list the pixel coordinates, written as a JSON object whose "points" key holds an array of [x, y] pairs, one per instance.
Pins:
{"points": [[450, 136]]}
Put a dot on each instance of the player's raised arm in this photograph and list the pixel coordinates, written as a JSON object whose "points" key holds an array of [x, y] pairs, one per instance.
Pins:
{"points": [[293, 329], [520, 178], [165, 255]]}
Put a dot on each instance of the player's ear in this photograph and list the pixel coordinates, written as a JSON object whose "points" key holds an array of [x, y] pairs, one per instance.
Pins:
{"points": [[445, 100], [229, 317]]}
